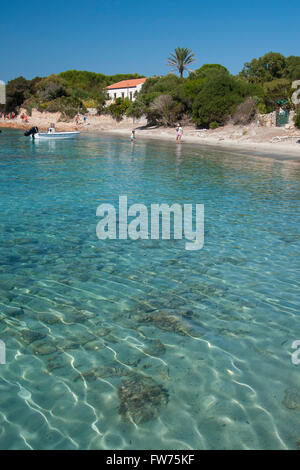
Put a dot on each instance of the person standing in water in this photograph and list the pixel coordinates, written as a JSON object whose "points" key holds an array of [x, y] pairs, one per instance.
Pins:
{"points": [[179, 132], [132, 138]]}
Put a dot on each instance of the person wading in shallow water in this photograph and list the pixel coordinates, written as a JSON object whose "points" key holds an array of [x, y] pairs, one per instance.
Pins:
{"points": [[179, 131], [132, 138]]}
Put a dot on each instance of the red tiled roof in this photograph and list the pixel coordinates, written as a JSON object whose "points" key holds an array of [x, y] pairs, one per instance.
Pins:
{"points": [[127, 83]]}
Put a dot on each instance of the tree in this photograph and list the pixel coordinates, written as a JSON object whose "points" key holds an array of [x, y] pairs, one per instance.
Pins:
{"points": [[207, 71], [52, 90], [119, 108], [276, 90], [17, 91], [67, 105], [194, 82], [218, 97], [181, 59], [266, 68], [297, 119], [137, 109], [293, 67]]}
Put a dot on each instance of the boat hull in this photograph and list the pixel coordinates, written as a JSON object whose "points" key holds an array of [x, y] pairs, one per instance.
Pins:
{"points": [[55, 135]]}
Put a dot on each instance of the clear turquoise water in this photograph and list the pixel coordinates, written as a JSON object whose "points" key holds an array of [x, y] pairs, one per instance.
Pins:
{"points": [[81, 318]]}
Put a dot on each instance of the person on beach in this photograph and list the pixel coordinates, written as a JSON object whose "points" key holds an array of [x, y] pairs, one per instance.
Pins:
{"points": [[179, 131], [132, 138]]}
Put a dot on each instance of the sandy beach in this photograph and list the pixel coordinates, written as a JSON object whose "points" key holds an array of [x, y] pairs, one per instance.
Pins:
{"points": [[273, 142]]}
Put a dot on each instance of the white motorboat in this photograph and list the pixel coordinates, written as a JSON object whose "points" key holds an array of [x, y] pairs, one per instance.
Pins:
{"points": [[55, 135], [51, 134]]}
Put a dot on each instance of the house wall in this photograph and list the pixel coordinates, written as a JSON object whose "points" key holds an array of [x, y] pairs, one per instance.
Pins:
{"points": [[117, 93]]}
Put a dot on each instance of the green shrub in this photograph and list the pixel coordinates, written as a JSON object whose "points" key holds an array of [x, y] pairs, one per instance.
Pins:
{"points": [[261, 108], [83, 79], [161, 85], [218, 97], [52, 90], [136, 109], [297, 119], [208, 71], [30, 104], [118, 109], [214, 125], [214, 101], [276, 90], [17, 91], [66, 105]]}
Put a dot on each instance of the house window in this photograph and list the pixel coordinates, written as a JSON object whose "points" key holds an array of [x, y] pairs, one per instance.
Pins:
{"points": [[115, 96], [131, 96], [122, 94]]}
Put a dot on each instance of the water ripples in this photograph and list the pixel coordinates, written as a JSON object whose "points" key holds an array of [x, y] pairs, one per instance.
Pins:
{"points": [[143, 345]]}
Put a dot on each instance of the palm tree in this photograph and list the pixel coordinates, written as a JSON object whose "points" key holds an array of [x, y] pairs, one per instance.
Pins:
{"points": [[181, 59]]}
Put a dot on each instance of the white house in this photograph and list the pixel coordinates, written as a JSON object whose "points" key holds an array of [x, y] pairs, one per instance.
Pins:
{"points": [[125, 88]]}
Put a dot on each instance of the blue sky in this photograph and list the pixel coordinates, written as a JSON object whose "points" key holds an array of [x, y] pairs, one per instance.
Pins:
{"points": [[114, 36]]}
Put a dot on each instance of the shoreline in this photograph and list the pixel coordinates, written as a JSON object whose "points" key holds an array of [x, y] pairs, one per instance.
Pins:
{"points": [[227, 138], [278, 151]]}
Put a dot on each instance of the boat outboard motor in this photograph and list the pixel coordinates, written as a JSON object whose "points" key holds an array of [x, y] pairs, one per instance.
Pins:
{"points": [[31, 131]]}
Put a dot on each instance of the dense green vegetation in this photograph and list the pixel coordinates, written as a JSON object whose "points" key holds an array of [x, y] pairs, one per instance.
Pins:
{"points": [[271, 66], [208, 97], [118, 108], [297, 119], [68, 92]]}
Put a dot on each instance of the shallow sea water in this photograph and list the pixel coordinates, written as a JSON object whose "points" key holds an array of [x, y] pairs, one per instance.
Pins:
{"points": [[142, 344]]}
